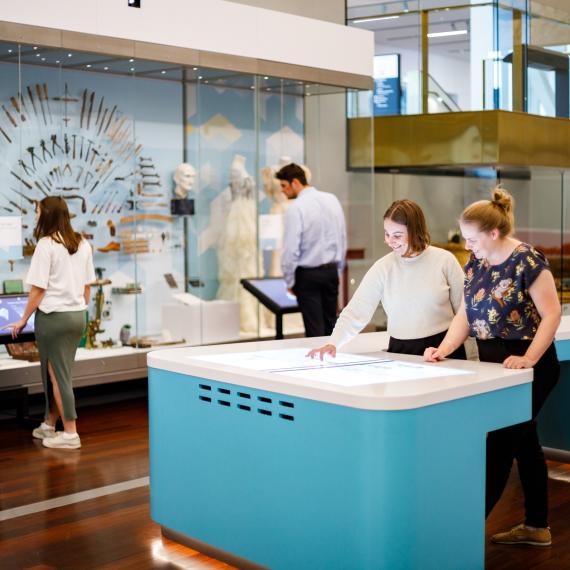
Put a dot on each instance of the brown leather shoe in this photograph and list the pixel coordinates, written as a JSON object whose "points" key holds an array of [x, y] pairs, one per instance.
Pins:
{"points": [[521, 534], [111, 246]]}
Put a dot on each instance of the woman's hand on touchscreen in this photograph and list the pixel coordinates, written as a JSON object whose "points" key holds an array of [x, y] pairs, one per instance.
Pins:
{"points": [[329, 349]]}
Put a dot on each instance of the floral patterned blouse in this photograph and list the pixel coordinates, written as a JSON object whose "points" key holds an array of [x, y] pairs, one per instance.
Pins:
{"points": [[497, 300]]}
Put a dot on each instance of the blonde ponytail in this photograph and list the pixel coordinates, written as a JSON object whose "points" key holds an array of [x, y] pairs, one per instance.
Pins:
{"points": [[496, 213]]}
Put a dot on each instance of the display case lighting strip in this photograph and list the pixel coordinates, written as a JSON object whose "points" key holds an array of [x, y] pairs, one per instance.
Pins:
{"points": [[374, 19], [445, 34]]}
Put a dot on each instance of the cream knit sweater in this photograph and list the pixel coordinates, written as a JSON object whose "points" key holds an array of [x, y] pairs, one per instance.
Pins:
{"points": [[420, 296]]}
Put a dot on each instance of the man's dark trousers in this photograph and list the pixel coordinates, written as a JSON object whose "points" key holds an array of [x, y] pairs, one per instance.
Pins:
{"points": [[316, 289]]}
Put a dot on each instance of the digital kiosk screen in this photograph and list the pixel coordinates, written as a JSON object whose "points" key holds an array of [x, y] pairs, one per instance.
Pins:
{"points": [[272, 293], [344, 370], [11, 310]]}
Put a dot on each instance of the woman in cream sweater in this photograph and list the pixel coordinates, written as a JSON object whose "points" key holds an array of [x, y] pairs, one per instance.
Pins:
{"points": [[419, 286]]}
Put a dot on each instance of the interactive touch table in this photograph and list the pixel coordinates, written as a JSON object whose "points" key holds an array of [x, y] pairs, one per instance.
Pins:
{"points": [[265, 458]]}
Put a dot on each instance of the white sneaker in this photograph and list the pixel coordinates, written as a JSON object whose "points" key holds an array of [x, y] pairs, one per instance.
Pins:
{"points": [[44, 431], [62, 441]]}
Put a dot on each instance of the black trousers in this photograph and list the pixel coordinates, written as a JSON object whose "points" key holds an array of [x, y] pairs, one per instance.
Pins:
{"points": [[316, 289], [520, 441], [418, 345]]}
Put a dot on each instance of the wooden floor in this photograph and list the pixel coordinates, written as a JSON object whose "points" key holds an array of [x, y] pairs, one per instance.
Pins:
{"points": [[115, 531]]}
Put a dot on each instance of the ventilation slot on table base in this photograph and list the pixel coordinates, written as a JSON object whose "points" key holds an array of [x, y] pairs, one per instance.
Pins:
{"points": [[243, 401]]}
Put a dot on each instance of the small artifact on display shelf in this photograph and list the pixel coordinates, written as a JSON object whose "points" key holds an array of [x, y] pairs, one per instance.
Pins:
{"points": [[125, 334], [94, 324], [150, 341], [24, 351], [128, 289], [184, 177]]}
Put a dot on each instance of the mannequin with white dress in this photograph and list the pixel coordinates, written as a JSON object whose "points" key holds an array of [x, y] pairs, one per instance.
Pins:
{"points": [[237, 248]]}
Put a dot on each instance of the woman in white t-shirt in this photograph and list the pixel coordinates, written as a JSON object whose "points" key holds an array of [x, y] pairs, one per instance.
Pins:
{"points": [[59, 277], [419, 286]]}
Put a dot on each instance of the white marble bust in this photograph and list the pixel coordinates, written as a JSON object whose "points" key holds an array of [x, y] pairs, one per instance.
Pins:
{"points": [[184, 177]]}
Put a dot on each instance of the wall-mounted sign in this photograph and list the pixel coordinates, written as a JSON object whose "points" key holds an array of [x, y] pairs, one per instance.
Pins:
{"points": [[387, 91]]}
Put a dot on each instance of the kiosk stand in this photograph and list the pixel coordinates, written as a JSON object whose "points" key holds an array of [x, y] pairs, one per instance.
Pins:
{"points": [[272, 293]]}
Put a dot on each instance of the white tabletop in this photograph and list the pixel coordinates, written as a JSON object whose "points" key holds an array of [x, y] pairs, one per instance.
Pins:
{"points": [[383, 386]]}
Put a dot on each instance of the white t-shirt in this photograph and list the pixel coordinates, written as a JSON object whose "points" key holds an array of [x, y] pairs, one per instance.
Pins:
{"points": [[419, 294], [62, 275]]}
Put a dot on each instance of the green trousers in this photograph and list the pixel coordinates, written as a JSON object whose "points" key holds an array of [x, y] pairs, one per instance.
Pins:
{"points": [[58, 335]]}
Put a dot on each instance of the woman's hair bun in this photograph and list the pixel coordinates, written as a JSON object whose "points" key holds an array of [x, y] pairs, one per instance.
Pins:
{"points": [[502, 199]]}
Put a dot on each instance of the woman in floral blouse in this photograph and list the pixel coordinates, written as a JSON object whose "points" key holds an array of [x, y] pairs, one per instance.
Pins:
{"points": [[511, 307]]}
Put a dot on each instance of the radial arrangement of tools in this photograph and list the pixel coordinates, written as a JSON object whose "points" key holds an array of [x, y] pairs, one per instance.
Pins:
{"points": [[79, 146]]}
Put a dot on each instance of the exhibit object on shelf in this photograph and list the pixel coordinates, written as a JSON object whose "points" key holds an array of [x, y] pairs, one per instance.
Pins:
{"points": [[128, 289], [237, 251], [94, 324], [184, 178], [171, 281], [125, 334], [23, 351]]}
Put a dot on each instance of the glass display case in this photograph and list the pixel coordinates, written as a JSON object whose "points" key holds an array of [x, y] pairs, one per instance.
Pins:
{"points": [[542, 208], [168, 171], [469, 56]]}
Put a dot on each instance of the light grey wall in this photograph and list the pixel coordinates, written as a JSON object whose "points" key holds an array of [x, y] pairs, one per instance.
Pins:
{"points": [[328, 10]]}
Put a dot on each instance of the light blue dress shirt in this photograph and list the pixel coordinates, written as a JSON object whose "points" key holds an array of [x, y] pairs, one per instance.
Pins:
{"points": [[315, 233]]}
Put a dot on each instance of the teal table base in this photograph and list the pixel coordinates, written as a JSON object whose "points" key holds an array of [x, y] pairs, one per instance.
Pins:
{"points": [[290, 483], [554, 418]]}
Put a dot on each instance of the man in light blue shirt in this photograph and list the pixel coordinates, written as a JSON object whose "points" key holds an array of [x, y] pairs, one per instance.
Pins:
{"points": [[314, 249]]}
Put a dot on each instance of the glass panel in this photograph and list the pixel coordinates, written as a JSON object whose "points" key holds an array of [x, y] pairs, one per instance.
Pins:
{"points": [[223, 127], [397, 66], [548, 53], [451, 45]]}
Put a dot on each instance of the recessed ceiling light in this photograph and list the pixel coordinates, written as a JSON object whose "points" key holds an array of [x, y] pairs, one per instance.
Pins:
{"points": [[446, 34], [57, 61], [163, 72], [131, 60], [106, 68], [9, 51], [252, 87], [266, 77], [35, 47], [132, 68], [43, 58], [206, 81], [69, 54], [88, 65], [374, 19], [195, 68], [200, 77]]}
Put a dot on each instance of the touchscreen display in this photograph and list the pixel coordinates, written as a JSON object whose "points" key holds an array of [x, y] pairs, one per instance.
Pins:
{"points": [[344, 370], [11, 310], [276, 290]]}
